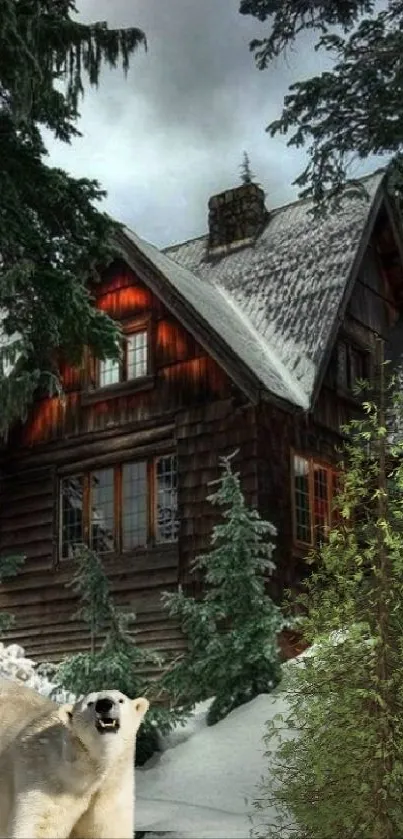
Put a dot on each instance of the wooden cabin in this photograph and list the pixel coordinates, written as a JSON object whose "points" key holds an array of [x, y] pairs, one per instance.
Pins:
{"points": [[247, 338]]}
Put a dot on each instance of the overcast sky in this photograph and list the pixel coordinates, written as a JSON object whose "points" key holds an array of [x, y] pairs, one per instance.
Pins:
{"points": [[173, 133]]}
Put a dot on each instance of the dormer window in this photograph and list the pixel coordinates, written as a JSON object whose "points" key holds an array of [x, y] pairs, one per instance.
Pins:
{"points": [[135, 361]]}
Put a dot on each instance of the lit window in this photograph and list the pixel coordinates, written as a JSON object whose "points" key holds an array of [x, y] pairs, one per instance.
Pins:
{"points": [[136, 355], [71, 505], [167, 499], [102, 513], [314, 487], [134, 505]]}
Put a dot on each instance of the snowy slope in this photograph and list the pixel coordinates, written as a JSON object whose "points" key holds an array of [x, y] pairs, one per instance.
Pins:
{"points": [[204, 786]]}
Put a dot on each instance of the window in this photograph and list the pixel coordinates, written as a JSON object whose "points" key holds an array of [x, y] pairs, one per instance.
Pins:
{"points": [[134, 507], [166, 500], [352, 364], [102, 503], [314, 488], [134, 363], [71, 514], [108, 372], [120, 508]]}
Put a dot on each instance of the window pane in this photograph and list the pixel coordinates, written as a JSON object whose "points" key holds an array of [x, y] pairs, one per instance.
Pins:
{"points": [[301, 500], [109, 372], [134, 506], [166, 499], [137, 355], [71, 509], [321, 504], [342, 365], [102, 510]]}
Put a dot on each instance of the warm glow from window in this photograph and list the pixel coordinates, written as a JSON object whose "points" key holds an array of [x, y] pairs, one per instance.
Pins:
{"points": [[314, 487]]}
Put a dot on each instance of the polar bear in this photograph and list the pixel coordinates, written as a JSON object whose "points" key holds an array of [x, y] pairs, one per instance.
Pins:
{"points": [[67, 770]]}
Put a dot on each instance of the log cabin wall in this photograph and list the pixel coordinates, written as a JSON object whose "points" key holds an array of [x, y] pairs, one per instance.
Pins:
{"points": [[187, 406], [371, 313]]}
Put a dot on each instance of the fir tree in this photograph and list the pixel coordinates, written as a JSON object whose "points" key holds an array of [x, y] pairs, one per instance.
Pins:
{"points": [[119, 663], [247, 176], [232, 632], [9, 567], [339, 774], [353, 109], [52, 237]]}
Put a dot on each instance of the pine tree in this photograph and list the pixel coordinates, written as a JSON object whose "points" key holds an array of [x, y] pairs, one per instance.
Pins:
{"points": [[9, 567], [247, 176], [119, 663], [52, 237], [339, 775], [232, 632], [353, 109]]}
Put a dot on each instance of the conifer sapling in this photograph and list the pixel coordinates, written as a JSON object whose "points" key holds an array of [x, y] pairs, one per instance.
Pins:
{"points": [[232, 631]]}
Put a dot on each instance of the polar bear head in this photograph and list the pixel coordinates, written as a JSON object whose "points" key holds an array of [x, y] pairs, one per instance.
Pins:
{"points": [[106, 722]]}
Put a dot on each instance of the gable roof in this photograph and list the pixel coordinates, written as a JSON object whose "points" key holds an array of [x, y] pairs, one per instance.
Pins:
{"points": [[275, 305]]}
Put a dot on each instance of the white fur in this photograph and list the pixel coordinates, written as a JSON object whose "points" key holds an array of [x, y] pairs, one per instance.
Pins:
{"points": [[61, 778]]}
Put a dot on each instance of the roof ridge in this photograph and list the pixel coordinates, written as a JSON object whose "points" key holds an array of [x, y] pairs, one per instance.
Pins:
{"points": [[274, 210]]}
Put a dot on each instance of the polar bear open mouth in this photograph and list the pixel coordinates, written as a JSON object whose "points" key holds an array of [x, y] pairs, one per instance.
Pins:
{"points": [[107, 725]]}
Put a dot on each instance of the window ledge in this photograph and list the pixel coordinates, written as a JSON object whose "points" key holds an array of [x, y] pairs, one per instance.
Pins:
{"points": [[100, 394]]}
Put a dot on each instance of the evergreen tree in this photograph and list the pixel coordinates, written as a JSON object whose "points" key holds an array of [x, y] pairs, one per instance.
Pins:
{"points": [[52, 237], [339, 774], [352, 110], [247, 176], [119, 663], [9, 567], [232, 632]]}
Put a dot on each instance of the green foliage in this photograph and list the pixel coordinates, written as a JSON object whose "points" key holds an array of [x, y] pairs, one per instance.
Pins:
{"points": [[323, 111], [247, 176], [120, 662], [9, 567], [52, 237], [339, 772], [232, 632]]}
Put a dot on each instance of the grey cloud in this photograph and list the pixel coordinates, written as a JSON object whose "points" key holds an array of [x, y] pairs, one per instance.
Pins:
{"points": [[173, 133]]}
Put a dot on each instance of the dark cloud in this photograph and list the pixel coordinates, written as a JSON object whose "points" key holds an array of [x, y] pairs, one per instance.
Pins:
{"points": [[173, 133]]}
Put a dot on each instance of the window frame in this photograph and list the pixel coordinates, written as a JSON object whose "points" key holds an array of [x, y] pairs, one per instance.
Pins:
{"points": [[151, 501], [351, 349], [331, 476], [129, 328]]}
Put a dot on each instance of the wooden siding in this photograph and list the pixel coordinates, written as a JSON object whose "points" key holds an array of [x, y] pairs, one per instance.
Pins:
{"points": [[190, 407], [371, 313], [183, 374], [42, 605]]}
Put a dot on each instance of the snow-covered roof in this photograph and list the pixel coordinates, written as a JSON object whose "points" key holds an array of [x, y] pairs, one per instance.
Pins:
{"points": [[226, 317], [275, 303]]}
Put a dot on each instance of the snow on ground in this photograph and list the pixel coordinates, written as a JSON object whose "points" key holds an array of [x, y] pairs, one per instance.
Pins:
{"points": [[204, 786], [14, 665], [203, 783]]}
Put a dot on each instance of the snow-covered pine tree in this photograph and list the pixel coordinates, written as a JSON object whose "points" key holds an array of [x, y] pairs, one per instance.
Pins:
{"points": [[119, 663], [341, 777], [232, 631]]}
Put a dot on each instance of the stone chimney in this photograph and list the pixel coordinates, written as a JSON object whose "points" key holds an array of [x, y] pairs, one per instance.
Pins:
{"points": [[236, 217]]}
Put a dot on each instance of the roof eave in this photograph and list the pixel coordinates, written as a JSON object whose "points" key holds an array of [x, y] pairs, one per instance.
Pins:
{"points": [[378, 199]]}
